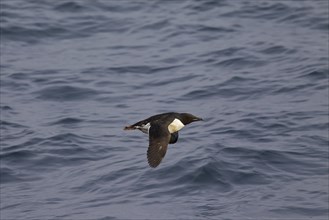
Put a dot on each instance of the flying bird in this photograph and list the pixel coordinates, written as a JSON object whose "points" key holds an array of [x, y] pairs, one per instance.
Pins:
{"points": [[162, 130]]}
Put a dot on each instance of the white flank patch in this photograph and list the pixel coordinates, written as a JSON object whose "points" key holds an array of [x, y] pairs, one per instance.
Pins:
{"points": [[144, 128], [176, 125]]}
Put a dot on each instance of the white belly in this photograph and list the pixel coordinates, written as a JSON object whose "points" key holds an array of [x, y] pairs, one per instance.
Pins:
{"points": [[176, 125]]}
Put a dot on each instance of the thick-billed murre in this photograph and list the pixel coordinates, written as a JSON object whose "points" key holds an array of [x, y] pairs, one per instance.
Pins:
{"points": [[162, 130]]}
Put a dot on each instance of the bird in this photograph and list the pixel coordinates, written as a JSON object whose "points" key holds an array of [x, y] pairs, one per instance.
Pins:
{"points": [[162, 130]]}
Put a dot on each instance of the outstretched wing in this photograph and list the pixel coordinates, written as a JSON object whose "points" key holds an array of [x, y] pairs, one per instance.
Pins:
{"points": [[159, 137]]}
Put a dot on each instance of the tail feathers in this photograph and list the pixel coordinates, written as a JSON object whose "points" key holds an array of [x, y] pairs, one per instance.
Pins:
{"points": [[129, 127]]}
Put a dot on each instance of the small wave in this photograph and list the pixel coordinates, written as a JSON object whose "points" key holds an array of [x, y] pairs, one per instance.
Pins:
{"points": [[278, 50], [302, 211], [209, 29], [17, 155], [67, 120], [6, 108], [31, 35], [294, 88], [65, 93], [70, 6], [268, 11], [316, 75], [241, 63], [222, 52], [11, 176], [7, 125], [236, 88], [158, 25], [144, 69], [206, 5], [196, 173]]}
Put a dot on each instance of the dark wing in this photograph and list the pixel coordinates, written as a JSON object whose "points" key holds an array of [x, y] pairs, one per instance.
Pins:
{"points": [[169, 116], [159, 137]]}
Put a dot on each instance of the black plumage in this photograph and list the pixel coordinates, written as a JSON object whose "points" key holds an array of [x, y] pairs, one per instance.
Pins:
{"points": [[162, 130]]}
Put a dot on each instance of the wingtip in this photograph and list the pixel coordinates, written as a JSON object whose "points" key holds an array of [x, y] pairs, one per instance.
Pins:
{"points": [[153, 165], [153, 158]]}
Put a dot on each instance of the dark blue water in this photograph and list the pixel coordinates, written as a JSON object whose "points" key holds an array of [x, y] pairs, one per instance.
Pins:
{"points": [[74, 73]]}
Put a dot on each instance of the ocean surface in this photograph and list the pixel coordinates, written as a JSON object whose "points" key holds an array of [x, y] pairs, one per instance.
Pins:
{"points": [[74, 73]]}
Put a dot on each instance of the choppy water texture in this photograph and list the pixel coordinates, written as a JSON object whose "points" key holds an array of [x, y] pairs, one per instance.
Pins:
{"points": [[74, 73]]}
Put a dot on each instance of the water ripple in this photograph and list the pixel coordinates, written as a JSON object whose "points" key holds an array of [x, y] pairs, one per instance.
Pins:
{"points": [[74, 73]]}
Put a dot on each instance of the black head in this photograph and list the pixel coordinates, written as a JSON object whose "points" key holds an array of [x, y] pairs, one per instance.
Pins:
{"points": [[188, 118]]}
